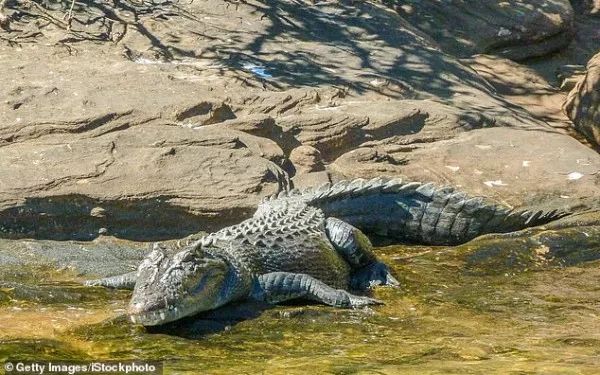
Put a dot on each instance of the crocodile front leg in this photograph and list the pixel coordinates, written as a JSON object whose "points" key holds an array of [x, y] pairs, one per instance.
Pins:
{"points": [[354, 246], [277, 287], [125, 281]]}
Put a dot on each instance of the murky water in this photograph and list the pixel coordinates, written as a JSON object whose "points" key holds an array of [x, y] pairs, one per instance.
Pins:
{"points": [[458, 311]]}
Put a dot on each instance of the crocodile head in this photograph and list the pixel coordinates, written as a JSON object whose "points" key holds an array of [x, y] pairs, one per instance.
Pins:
{"points": [[172, 287]]}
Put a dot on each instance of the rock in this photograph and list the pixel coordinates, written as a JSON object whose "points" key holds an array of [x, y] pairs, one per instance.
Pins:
{"points": [[306, 159], [524, 87], [566, 242], [98, 212], [532, 250], [515, 166], [311, 179], [366, 162], [592, 6], [102, 257], [4, 21], [515, 30], [583, 102], [584, 44], [330, 134], [146, 180], [569, 75]]}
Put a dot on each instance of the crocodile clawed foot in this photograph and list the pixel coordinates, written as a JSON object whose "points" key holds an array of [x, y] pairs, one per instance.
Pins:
{"points": [[96, 282], [362, 301], [375, 274]]}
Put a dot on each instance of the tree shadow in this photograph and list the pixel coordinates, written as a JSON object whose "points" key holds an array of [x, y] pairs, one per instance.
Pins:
{"points": [[280, 44]]}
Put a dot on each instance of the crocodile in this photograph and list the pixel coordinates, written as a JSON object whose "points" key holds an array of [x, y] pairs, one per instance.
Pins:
{"points": [[311, 244]]}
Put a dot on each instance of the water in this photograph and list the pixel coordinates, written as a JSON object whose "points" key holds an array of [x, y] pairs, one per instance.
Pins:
{"points": [[487, 307]]}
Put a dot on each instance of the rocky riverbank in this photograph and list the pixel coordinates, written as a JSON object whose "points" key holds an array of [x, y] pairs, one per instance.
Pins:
{"points": [[155, 120]]}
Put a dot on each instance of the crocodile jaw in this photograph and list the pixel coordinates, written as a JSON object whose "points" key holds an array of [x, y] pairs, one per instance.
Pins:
{"points": [[162, 316], [170, 288]]}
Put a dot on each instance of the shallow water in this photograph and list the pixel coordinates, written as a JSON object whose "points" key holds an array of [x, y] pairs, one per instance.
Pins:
{"points": [[471, 309]]}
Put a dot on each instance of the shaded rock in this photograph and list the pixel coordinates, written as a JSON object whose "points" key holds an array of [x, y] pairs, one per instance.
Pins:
{"points": [[515, 30], [569, 75], [526, 88], [99, 258], [584, 44], [591, 6], [533, 249], [583, 103]]}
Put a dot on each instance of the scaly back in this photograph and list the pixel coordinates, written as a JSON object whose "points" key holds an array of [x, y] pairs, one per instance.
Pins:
{"points": [[411, 211]]}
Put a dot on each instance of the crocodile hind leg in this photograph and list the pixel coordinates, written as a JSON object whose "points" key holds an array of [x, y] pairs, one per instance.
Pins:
{"points": [[354, 246], [125, 281], [277, 287]]}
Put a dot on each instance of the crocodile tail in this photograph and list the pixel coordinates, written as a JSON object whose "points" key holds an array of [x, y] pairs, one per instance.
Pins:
{"points": [[419, 213], [523, 218]]}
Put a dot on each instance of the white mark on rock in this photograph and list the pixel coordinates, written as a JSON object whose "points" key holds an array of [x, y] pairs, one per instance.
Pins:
{"points": [[526, 163], [565, 196], [483, 147], [453, 168], [327, 108], [504, 32], [477, 172], [495, 183], [574, 176]]}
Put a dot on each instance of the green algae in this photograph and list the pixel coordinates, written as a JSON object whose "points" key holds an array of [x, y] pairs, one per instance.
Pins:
{"points": [[523, 303], [38, 349]]}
